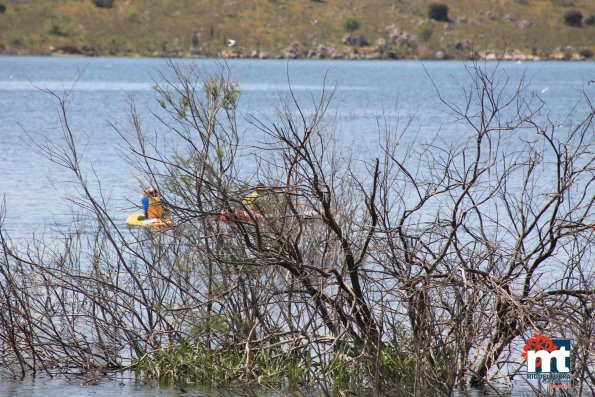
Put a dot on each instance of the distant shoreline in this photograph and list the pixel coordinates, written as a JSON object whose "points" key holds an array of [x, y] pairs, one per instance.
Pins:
{"points": [[514, 55]]}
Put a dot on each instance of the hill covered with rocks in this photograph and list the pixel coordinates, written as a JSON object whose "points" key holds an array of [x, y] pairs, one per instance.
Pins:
{"points": [[368, 29]]}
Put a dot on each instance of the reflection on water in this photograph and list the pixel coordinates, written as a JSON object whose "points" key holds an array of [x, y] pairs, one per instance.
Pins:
{"points": [[43, 386]]}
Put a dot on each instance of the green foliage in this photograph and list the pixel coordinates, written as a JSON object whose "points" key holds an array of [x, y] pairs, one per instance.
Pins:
{"points": [[351, 25], [184, 363], [56, 30], [438, 12], [219, 90], [204, 323], [425, 32], [118, 45], [573, 18], [133, 14], [213, 106], [2, 8], [398, 364], [590, 21], [348, 371], [179, 363]]}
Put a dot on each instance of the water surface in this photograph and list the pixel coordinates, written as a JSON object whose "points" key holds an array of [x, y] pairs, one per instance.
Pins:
{"points": [[369, 96]]}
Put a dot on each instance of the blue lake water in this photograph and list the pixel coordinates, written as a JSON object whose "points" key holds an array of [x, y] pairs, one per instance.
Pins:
{"points": [[368, 96]]}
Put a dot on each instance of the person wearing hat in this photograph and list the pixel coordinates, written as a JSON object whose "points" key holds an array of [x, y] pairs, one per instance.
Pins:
{"points": [[151, 202], [249, 200]]}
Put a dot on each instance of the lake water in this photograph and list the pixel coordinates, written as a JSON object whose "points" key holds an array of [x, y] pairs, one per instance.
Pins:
{"points": [[368, 95], [42, 386]]}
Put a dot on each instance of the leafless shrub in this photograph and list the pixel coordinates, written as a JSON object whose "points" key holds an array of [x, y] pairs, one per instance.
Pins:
{"points": [[419, 269]]}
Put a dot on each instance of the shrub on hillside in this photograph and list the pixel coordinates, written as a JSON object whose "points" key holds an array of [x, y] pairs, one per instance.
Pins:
{"points": [[438, 12], [55, 29], [103, 3], [2, 8], [590, 21], [425, 31], [351, 25], [586, 53], [573, 18]]}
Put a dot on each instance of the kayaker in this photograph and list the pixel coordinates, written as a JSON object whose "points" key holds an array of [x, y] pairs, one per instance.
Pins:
{"points": [[250, 200], [145, 202], [152, 205], [155, 207]]}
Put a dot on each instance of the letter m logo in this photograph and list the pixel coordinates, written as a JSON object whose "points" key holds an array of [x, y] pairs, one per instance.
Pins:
{"points": [[547, 356], [557, 361]]}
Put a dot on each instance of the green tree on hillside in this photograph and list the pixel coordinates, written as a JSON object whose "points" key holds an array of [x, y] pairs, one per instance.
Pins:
{"points": [[573, 18], [351, 25], [438, 12], [425, 32]]}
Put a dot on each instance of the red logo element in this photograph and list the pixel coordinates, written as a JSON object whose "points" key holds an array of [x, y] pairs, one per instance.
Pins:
{"points": [[537, 343]]}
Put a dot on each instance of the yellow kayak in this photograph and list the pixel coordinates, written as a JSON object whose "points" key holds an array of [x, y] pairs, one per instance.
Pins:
{"points": [[140, 220]]}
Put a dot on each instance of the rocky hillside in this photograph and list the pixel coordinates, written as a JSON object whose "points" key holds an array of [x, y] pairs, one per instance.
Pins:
{"points": [[301, 28]]}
